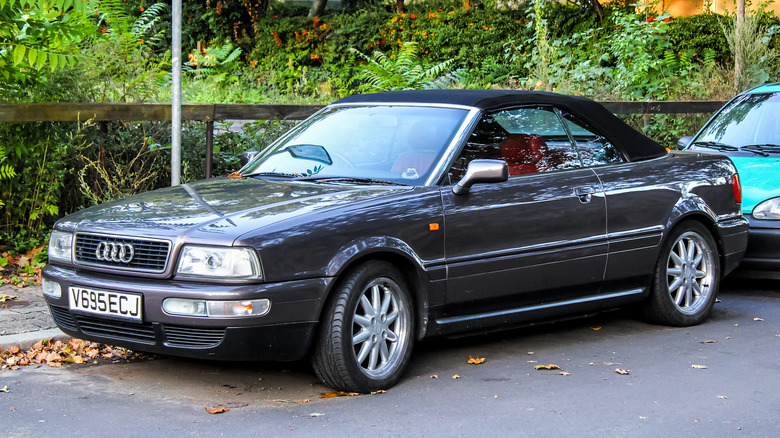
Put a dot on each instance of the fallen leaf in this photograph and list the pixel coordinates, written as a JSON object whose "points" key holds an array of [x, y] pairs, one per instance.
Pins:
{"points": [[595, 328], [564, 373], [217, 410], [622, 372], [381, 391], [235, 175], [476, 360], [316, 414], [456, 376], [551, 366], [5, 297], [758, 319], [709, 341], [434, 376], [699, 367], [4, 389], [338, 394]]}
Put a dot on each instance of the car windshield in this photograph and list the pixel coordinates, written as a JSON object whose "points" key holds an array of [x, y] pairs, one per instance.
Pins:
{"points": [[749, 123], [363, 144]]}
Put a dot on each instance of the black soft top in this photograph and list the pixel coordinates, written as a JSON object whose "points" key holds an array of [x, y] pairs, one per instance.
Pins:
{"points": [[634, 144]]}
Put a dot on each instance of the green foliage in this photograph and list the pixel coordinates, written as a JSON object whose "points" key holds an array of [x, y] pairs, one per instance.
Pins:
{"points": [[119, 62], [35, 34], [218, 63], [749, 43], [137, 165], [34, 162], [698, 33], [402, 71]]}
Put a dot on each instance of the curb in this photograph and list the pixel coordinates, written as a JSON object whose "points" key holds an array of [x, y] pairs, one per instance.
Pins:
{"points": [[26, 340]]}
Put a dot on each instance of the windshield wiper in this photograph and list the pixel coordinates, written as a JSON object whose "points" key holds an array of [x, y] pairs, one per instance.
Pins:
{"points": [[715, 145], [351, 180], [276, 174], [761, 149]]}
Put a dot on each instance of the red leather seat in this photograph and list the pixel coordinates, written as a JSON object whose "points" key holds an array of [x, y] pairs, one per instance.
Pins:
{"points": [[524, 153]]}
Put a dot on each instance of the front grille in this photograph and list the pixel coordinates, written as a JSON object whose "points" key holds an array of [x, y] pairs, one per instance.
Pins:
{"points": [[63, 318], [149, 255], [193, 337], [109, 328]]}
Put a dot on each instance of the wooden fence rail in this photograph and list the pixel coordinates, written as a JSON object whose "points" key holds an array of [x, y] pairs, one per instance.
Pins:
{"points": [[211, 112]]}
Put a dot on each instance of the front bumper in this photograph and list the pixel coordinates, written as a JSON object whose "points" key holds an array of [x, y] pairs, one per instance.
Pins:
{"points": [[285, 333], [762, 259]]}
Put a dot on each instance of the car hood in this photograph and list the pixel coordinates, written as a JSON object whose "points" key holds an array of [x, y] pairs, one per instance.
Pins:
{"points": [[760, 179], [220, 208]]}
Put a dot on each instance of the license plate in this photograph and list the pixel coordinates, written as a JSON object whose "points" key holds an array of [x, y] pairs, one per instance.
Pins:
{"points": [[101, 302]]}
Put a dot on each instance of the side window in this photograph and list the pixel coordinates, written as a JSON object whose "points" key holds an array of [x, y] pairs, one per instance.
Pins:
{"points": [[594, 149], [530, 140]]}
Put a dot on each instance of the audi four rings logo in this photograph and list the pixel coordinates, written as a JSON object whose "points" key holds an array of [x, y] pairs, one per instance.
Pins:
{"points": [[114, 252]]}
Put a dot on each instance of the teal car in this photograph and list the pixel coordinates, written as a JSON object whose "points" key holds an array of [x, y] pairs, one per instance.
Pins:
{"points": [[747, 129]]}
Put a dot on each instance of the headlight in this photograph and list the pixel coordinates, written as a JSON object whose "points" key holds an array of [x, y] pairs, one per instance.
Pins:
{"points": [[768, 210], [219, 262], [60, 246]]}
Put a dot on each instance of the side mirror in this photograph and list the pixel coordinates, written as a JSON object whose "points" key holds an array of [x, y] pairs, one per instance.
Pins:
{"points": [[247, 156], [482, 171], [683, 142]]}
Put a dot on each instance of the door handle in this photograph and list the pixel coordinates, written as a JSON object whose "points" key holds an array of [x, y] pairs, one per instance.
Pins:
{"points": [[584, 193]]}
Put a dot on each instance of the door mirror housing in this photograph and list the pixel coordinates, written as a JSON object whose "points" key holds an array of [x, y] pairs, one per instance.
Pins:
{"points": [[247, 156], [481, 171], [683, 142]]}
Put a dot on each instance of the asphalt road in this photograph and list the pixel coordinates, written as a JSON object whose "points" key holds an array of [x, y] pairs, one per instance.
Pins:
{"points": [[663, 394]]}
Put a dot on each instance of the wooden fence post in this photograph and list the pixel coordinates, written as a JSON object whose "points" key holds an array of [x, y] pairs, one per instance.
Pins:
{"points": [[209, 146]]}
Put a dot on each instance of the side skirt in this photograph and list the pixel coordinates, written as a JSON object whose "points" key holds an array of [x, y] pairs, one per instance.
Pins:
{"points": [[446, 325]]}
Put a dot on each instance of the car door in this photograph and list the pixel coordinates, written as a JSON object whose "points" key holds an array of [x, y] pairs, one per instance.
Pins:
{"points": [[638, 200], [538, 238]]}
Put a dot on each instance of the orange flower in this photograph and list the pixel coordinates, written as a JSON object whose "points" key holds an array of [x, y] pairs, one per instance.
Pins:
{"points": [[413, 16], [395, 19]]}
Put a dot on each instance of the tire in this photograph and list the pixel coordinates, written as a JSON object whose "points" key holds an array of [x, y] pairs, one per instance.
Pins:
{"points": [[366, 334], [687, 277]]}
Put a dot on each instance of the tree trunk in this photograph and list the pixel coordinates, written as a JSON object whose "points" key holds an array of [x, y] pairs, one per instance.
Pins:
{"points": [[738, 55], [399, 6], [317, 8]]}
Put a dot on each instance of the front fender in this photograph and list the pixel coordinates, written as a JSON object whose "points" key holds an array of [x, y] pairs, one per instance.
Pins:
{"points": [[360, 248]]}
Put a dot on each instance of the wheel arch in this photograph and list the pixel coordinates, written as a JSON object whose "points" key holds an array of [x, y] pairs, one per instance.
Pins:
{"points": [[398, 254], [694, 208]]}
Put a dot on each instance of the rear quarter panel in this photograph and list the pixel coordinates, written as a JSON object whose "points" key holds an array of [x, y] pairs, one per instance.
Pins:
{"points": [[646, 199]]}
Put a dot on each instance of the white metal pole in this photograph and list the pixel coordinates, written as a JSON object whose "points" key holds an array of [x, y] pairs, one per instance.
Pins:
{"points": [[176, 94]]}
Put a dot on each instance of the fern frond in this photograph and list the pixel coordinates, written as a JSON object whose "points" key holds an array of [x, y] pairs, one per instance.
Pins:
{"points": [[147, 20], [7, 172]]}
